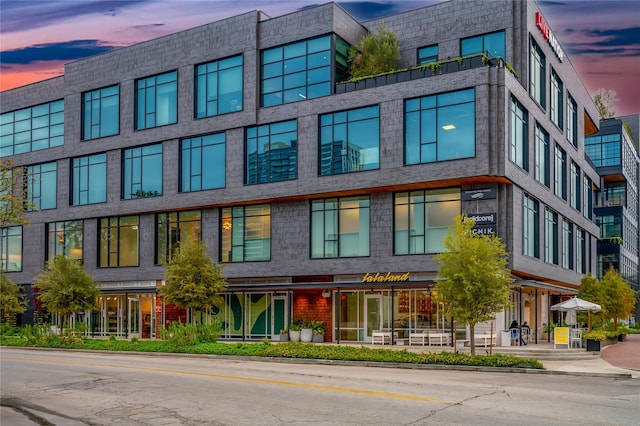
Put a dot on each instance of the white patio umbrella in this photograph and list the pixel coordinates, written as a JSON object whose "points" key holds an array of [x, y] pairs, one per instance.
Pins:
{"points": [[573, 305]]}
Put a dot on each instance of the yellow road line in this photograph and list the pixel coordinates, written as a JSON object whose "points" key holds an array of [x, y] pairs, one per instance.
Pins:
{"points": [[237, 378]]}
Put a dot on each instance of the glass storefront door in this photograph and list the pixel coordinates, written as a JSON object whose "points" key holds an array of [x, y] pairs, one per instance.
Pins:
{"points": [[372, 314], [134, 323], [279, 314]]}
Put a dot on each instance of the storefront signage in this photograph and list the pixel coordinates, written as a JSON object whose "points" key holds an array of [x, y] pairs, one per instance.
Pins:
{"points": [[479, 194], [483, 218], [484, 230], [549, 36], [385, 278]]}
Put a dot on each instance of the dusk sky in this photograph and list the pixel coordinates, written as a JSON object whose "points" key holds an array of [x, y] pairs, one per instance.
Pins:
{"points": [[37, 37]]}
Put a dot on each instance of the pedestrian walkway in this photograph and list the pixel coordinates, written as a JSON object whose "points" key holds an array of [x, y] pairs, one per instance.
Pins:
{"points": [[619, 360]]}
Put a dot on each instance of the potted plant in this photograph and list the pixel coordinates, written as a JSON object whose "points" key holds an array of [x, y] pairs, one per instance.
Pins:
{"points": [[306, 331], [318, 331], [284, 335], [594, 340], [294, 332]]}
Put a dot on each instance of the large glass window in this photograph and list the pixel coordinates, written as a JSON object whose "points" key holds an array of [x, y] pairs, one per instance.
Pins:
{"points": [[550, 236], [567, 244], [603, 150], [203, 163], [246, 233], [557, 102], [427, 55], [42, 191], [440, 127], [340, 227], [119, 241], [272, 152], [560, 175], [64, 239], [11, 249], [142, 172], [157, 100], [101, 113], [572, 121], [587, 197], [174, 227], [610, 225], [296, 72], [581, 251], [219, 87], [491, 44], [531, 227], [519, 134], [575, 186], [537, 72], [422, 219], [89, 184], [32, 129], [349, 141], [543, 159]]}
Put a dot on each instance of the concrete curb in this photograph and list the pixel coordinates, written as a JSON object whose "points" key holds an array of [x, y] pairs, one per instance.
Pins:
{"points": [[352, 363]]}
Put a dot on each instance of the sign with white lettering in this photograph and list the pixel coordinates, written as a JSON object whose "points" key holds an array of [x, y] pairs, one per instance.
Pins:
{"points": [[483, 218], [484, 230], [479, 194], [549, 36]]}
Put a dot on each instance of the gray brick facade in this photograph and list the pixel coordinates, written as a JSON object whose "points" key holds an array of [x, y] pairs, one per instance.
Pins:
{"points": [[444, 24]]}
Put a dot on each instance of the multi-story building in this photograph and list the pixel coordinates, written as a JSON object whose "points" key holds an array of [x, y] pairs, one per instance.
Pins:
{"points": [[614, 151], [322, 200]]}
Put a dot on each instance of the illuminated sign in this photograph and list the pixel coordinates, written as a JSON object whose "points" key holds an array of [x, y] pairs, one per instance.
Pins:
{"points": [[385, 278], [549, 36]]}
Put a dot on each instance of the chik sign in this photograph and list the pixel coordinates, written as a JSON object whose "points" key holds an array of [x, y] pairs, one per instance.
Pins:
{"points": [[549, 36]]}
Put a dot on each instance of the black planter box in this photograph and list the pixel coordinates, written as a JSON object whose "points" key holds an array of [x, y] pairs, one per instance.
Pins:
{"points": [[593, 345], [341, 88]]}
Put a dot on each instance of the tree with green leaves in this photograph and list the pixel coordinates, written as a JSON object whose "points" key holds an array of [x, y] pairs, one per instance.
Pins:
{"points": [[14, 200], [591, 291], [12, 299], [618, 300], [376, 52], [604, 100], [66, 288], [476, 282], [192, 280]]}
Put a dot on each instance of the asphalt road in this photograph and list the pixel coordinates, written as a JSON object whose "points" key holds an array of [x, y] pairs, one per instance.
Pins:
{"points": [[71, 388]]}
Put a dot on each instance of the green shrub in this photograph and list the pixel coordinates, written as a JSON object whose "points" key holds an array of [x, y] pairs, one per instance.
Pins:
{"points": [[189, 334]]}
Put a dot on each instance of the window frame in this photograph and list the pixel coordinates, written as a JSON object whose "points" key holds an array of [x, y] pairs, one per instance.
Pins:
{"points": [[17, 128], [57, 236], [102, 95], [348, 150], [418, 213], [8, 237], [90, 166], [232, 218], [201, 82], [264, 169], [135, 162], [335, 214], [519, 152], [111, 240], [40, 187], [537, 74], [435, 146], [210, 153], [142, 109]]}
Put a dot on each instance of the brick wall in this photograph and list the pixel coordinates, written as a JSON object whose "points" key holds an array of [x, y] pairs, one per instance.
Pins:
{"points": [[311, 305]]}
